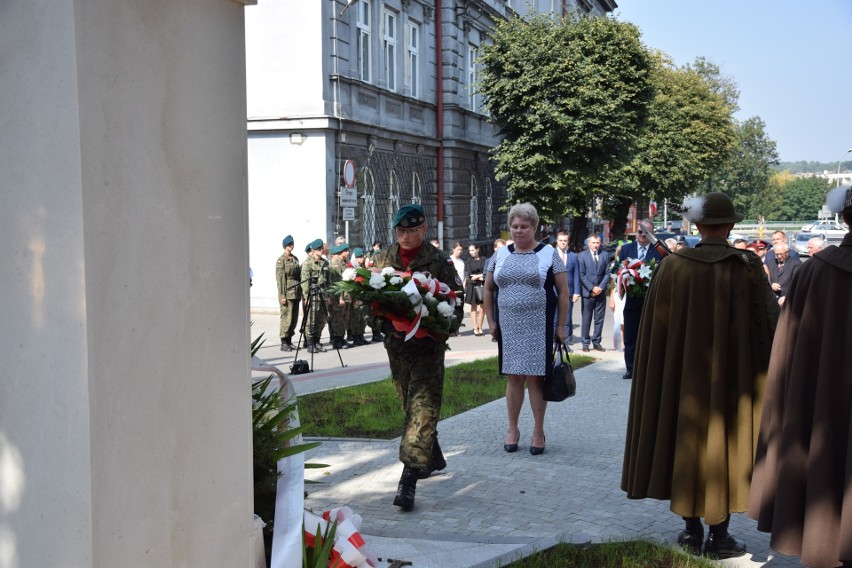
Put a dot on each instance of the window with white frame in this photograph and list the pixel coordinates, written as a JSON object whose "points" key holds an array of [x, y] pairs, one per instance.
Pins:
{"points": [[416, 189], [393, 205], [412, 71], [474, 208], [390, 49], [472, 56], [368, 214], [363, 26]]}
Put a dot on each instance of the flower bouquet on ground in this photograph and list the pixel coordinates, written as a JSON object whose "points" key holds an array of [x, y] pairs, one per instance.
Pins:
{"points": [[416, 304], [634, 277]]}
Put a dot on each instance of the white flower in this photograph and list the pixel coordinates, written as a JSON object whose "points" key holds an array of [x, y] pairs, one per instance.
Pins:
{"points": [[387, 271], [430, 296], [349, 274], [645, 272], [445, 309], [377, 281], [420, 277], [395, 280]]}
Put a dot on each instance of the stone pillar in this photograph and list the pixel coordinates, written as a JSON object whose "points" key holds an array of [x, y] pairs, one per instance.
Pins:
{"points": [[125, 435]]}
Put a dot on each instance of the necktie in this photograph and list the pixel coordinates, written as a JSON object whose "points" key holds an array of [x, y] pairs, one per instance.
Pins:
{"points": [[642, 253], [780, 266], [564, 258], [595, 256]]}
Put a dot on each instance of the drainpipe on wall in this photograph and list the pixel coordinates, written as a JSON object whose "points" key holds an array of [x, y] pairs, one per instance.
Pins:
{"points": [[439, 86]]}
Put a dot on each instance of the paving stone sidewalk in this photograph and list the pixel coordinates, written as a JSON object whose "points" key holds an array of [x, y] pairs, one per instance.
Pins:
{"points": [[490, 507]]}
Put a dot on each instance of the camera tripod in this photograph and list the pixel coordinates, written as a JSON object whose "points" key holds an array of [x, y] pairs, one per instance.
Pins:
{"points": [[315, 305]]}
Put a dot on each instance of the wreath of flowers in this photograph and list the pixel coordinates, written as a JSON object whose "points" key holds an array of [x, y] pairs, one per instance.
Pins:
{"points": [[417, 304], [634, 276]]}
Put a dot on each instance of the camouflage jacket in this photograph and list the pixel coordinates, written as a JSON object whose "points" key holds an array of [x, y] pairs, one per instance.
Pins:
{"points": [[287, 273]]}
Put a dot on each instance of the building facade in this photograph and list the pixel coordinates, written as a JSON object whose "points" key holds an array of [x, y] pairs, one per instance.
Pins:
{"points": [[388, 85]]}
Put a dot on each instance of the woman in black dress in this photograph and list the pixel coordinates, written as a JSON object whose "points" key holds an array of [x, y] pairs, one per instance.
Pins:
{"points": [[474, 286]]}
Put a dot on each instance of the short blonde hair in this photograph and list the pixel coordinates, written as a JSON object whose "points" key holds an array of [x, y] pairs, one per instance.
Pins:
{"points": [[526, 212]]}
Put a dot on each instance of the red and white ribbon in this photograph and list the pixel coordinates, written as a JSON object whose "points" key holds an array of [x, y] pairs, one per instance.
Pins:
{"points": [[627, 274]]}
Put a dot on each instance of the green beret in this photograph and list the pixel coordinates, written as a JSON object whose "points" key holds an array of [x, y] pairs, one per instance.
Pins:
{"points": [[314, 245], [409, 217], [288, 240], [337, 249], [357, 252]]}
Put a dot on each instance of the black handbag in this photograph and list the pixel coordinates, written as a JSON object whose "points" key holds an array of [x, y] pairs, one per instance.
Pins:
{"points": [[560, 384]]}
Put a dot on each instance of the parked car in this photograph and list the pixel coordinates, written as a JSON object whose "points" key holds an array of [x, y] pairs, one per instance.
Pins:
{"points": [[800, 244], [830, 229]]}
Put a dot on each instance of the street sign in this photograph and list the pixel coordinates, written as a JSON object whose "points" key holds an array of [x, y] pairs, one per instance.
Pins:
{"points": [[348, 197], [348, 213], [349, 173]]}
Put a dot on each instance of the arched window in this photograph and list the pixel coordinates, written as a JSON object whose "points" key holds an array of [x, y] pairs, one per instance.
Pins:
{"points": [[489, 208], [474, 208], [368, 214], [393, 204], [416, 189]]}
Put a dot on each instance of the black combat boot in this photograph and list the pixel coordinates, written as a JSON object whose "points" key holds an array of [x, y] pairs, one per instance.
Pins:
{"points": [[692, 536], [720, 544], [285, 345], [436, 463], [360, 340], [378, 337], [309, 345], [407, 487], [317, 345]]}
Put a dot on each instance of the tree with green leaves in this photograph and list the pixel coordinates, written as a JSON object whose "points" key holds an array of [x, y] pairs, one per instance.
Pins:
{"points": [[570, 97], [687, 137], [745, 175], [788, 198]]}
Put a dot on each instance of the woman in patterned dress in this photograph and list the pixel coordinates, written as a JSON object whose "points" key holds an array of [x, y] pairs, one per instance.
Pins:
{"points": [[526, 303]]}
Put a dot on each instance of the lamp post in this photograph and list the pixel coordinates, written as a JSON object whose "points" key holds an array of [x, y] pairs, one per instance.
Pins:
{"points": [[838, 165]]}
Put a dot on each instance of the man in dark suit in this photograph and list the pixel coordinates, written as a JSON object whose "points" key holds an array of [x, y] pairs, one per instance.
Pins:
{"points": [[640, 249], [594, 275], [782, 267], [569, 259]]}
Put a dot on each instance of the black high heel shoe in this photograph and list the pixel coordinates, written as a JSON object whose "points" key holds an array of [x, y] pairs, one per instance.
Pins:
{"points": [[535, 450], [512, 447]]}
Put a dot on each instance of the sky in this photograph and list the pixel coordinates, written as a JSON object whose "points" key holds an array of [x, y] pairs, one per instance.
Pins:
{"points": [[791, 60]]}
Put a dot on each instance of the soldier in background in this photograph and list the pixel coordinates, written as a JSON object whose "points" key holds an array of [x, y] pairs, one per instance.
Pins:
{"points": [[339, 305], [314, 284], [417, 365], [360, 311], [287, 274]]}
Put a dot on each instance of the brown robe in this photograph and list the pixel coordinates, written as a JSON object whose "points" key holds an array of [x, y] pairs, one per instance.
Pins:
{"points": [[698, 375], [802, 486]]}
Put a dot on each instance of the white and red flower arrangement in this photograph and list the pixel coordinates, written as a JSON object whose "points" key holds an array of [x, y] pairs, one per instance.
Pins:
{"points": [[634, 276], [417, 304]]}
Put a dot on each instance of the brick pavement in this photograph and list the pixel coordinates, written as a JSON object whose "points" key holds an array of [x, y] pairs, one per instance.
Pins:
{"points": [[489, 507], [486, 496]]}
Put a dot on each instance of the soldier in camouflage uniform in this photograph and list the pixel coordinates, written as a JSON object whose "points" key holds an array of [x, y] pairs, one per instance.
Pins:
{"points": [[417, 365], [339, 305], [314, 271], [361, 312], [287, 274]]}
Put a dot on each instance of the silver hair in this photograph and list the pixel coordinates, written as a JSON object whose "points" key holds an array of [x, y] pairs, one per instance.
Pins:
{"points": [[526, 212]]}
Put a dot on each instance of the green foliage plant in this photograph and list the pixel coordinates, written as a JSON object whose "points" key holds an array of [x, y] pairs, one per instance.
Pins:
{"points": [[569, 96]]}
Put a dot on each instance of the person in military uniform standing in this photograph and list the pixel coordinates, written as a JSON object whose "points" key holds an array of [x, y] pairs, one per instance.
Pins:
{"points": [[314, 284], [287, 273], [417, 365], [339, 305], [360, 312]]}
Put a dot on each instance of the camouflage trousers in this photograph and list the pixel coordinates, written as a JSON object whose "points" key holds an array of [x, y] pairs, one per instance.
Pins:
{"points": [[289, 318], [358, 318], [338, 316], [417, 369]]}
